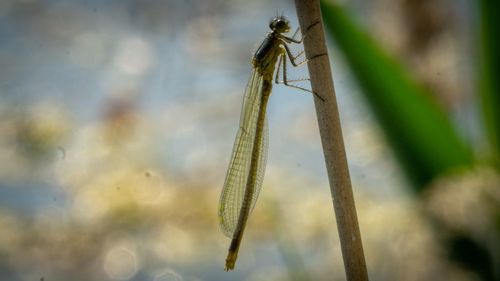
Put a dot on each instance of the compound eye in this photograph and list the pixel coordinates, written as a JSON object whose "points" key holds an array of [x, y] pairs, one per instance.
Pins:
{"points": [[279, 24], [273, 25]]}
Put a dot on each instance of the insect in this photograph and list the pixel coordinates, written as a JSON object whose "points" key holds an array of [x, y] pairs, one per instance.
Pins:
{"points": [[247, 166]]}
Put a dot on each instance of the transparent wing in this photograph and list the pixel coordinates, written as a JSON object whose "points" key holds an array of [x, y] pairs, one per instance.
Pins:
{"points": [[239, 167]]}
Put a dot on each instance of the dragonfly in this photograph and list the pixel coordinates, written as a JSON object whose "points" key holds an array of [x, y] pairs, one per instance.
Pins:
{"points": [[248, 160]]}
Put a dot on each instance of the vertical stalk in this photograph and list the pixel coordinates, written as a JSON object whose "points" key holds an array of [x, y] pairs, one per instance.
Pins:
{"points": [[309, 15]]}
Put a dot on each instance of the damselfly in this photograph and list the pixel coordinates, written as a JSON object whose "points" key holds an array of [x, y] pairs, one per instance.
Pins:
{"points": [[246, 168]]}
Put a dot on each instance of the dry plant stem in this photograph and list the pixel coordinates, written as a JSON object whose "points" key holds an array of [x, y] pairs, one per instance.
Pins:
{"points": [[309, 15]]}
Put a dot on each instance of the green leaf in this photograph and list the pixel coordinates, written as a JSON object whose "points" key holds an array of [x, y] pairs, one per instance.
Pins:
{"points": [[417, 129], [489, 74]]}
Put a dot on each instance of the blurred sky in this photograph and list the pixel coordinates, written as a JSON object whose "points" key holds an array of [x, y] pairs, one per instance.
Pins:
{"points": [[95, 96], [183, 66]]}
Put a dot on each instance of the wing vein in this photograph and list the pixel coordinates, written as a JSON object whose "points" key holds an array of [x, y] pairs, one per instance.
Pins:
{"points": [[233, 191]]}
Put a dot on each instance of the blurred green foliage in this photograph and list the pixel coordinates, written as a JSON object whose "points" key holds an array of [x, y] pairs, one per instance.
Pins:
{"points": [[420, 132], [489, 70]]}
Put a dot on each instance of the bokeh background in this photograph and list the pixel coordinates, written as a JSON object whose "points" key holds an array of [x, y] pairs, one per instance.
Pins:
{"points": [[117, 120]]}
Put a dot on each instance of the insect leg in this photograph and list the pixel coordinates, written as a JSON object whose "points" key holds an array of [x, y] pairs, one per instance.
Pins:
{"points": [[285, 81], [293, 40]]}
